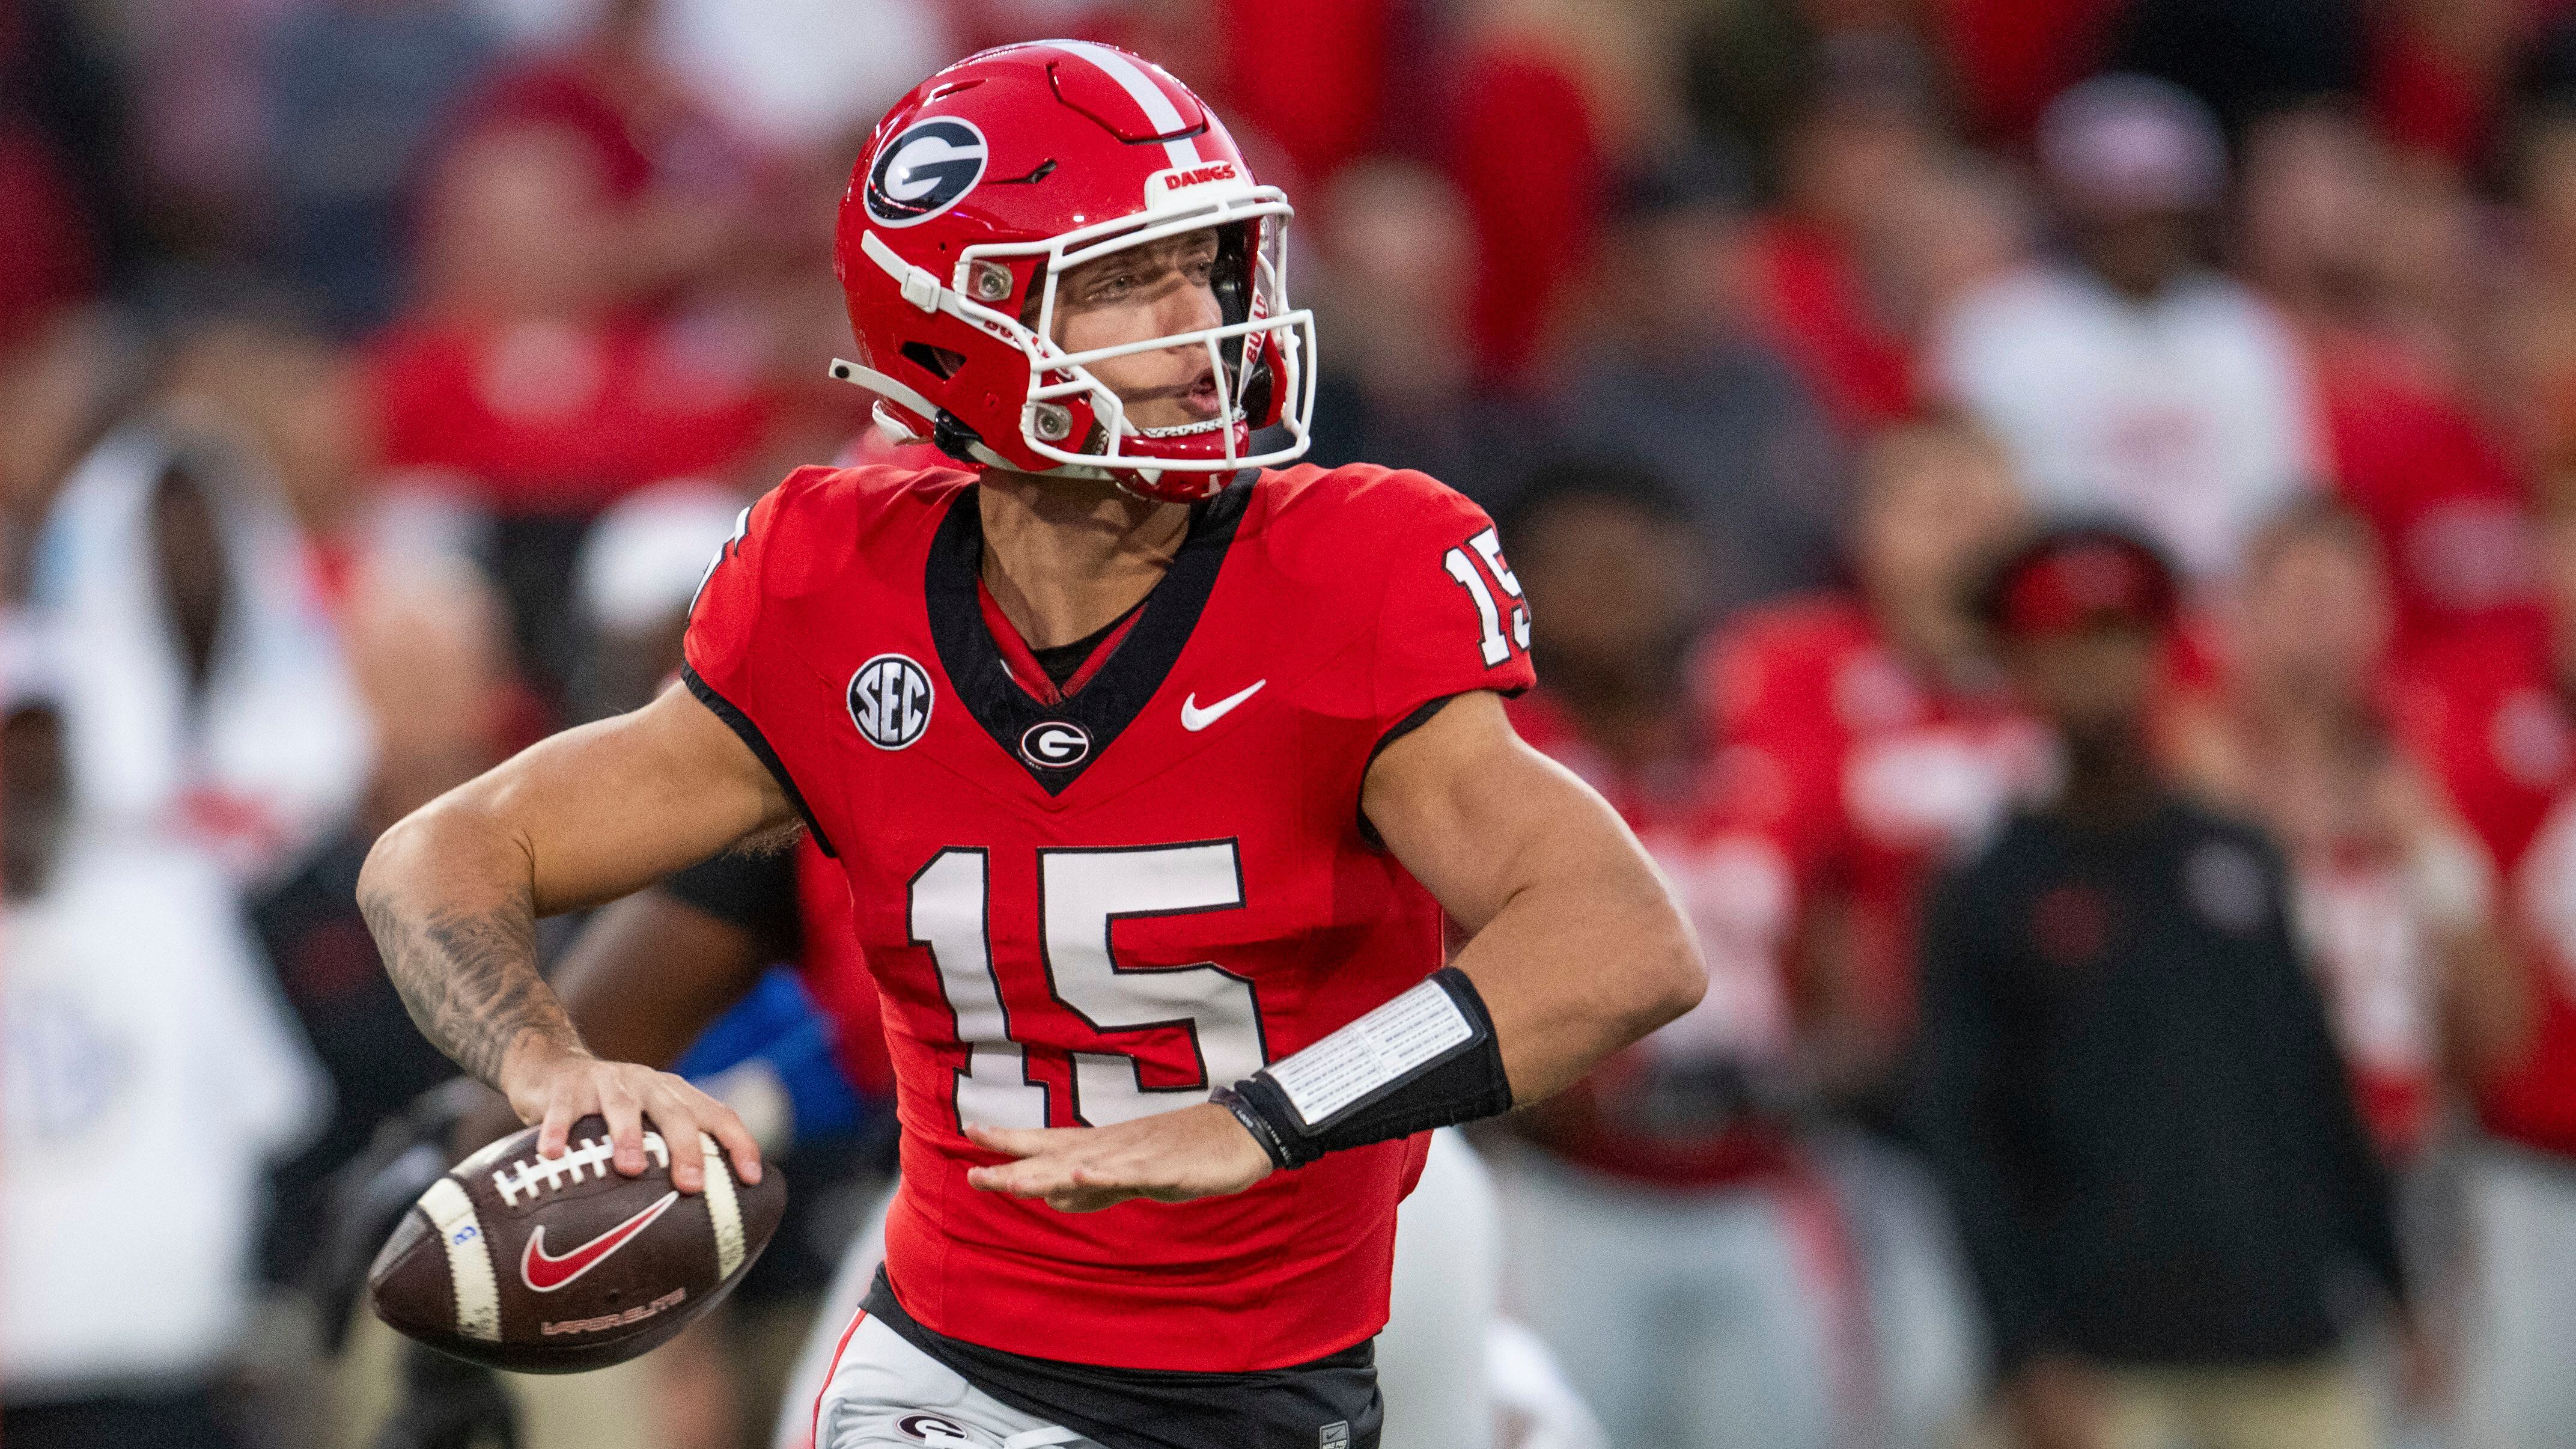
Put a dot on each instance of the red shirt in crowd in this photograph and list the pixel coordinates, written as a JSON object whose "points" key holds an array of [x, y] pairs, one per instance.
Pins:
{"points": [[2505, 738], [1816, 308], [1886, 772], [2444, 503], [46, 258], [550, 417], [1716, 827], [1525, 155]]}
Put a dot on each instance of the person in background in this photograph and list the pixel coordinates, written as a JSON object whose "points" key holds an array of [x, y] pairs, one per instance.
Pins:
{"points": [[356, 93], [207, 697], [1895, 738], [2405, 445], [2507, 747], [1892, 741], [633, 579], [149, 1075], [1684, 381], [2326, 746], [2128, 378], [429, 654], [2128, 1083], [1829, 266], [2329, 746], [1674, 1241], [531, 375], [1399, 265]]}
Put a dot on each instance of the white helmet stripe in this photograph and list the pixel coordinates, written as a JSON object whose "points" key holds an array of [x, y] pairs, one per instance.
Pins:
{"points": [[1160, 113]]}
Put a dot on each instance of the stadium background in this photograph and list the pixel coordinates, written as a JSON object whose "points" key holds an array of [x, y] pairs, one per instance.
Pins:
{"points": [[418, 352]]}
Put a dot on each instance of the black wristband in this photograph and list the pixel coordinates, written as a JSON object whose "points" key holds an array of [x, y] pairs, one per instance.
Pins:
{"points": [[1426, 1059], [1253, 1122]]}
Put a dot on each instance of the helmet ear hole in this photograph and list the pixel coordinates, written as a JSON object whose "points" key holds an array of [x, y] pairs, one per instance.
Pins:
{"points": [[939, 362], [1257, 388], [1232, 283]]}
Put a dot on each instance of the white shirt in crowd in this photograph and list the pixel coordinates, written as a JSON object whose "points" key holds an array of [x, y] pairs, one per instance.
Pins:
{"points": [[2187, 416], [148, 1075]]}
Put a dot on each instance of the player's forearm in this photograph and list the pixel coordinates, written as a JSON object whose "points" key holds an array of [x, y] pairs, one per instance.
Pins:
{"points": [[451, 902], [1584, 959]]}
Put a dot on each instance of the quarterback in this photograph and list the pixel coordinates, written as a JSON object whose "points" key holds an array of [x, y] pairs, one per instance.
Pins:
{"points": [[1152, 765]]}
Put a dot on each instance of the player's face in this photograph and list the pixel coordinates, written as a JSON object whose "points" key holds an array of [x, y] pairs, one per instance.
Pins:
{"points": [[1154, 290], [2315, 616], [1607, 583], [2091, 683], [2138, 252], [1933, 509]]}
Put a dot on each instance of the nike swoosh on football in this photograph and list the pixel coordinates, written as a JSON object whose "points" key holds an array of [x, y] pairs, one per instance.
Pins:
{"points": [[545, 1273], [1195, 719]]}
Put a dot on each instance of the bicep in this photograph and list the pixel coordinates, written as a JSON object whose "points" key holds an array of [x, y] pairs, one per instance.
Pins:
{"points": [[614, 806], [1477, 815]]}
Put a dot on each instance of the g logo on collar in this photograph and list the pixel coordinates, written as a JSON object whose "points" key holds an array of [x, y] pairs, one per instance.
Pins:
{"points": [[924, 170], [1055, 745]]}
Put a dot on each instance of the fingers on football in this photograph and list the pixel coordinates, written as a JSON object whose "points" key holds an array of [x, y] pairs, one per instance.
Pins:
{"points": [[676, 1118], [739, 1146], [623, 1110], [568, 1102]]}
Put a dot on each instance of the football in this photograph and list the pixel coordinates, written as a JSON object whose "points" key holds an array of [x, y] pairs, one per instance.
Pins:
{"points": [[560, 1265]]}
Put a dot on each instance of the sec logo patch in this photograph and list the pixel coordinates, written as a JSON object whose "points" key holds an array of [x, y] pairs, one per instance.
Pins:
{"points": [[890, 701]]}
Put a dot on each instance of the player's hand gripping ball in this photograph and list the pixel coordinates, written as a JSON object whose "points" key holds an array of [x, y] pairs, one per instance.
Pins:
{"points": [[557, 1265]]}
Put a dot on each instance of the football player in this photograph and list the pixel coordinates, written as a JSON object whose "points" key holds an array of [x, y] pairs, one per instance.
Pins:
{"points": [[1678, 1242], [1151, 771]]}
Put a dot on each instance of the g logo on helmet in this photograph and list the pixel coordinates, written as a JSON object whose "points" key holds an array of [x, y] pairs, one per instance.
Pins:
{"points": [[926, 169], [890, 701], [1054, 745]]}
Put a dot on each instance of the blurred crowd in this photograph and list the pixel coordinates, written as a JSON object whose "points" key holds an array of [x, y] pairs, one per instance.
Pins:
{"points": [[2055, 521]]}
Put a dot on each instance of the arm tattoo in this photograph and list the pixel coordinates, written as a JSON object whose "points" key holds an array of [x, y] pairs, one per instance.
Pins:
{"points": [[469, 979]]}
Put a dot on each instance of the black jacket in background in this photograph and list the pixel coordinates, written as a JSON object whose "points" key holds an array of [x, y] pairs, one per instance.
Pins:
{"points": [[2128, 1088]]}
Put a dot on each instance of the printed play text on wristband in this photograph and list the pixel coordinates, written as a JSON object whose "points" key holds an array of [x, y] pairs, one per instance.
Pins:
{"points": [[1378, 1050]]}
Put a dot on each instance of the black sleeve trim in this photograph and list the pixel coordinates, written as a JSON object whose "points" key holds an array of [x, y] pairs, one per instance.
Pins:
{"points": [[741, 725]]}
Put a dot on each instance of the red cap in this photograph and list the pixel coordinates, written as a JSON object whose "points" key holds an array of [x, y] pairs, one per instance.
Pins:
{"points": [[2073, 578]]}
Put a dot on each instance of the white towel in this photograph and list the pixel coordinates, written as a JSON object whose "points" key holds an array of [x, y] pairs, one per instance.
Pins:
{"points": [[276, 755]]}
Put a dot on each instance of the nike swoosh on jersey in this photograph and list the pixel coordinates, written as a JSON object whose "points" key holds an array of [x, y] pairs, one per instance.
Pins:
{"points": [[545, 1273], [1195, 719]]}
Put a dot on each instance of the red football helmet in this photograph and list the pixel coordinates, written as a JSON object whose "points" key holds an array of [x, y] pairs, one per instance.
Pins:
{"points": [[990, 181]]}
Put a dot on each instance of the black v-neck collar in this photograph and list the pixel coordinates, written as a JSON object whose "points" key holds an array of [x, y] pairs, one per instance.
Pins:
{"points": [[1096, 714]]}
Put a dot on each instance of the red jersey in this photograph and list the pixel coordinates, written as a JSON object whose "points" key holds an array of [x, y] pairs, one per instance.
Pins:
{"points": [[2366, 940], [2446, 507], [1084, 911], [1682, 1108], [2506, 744], [1885, 771]]}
